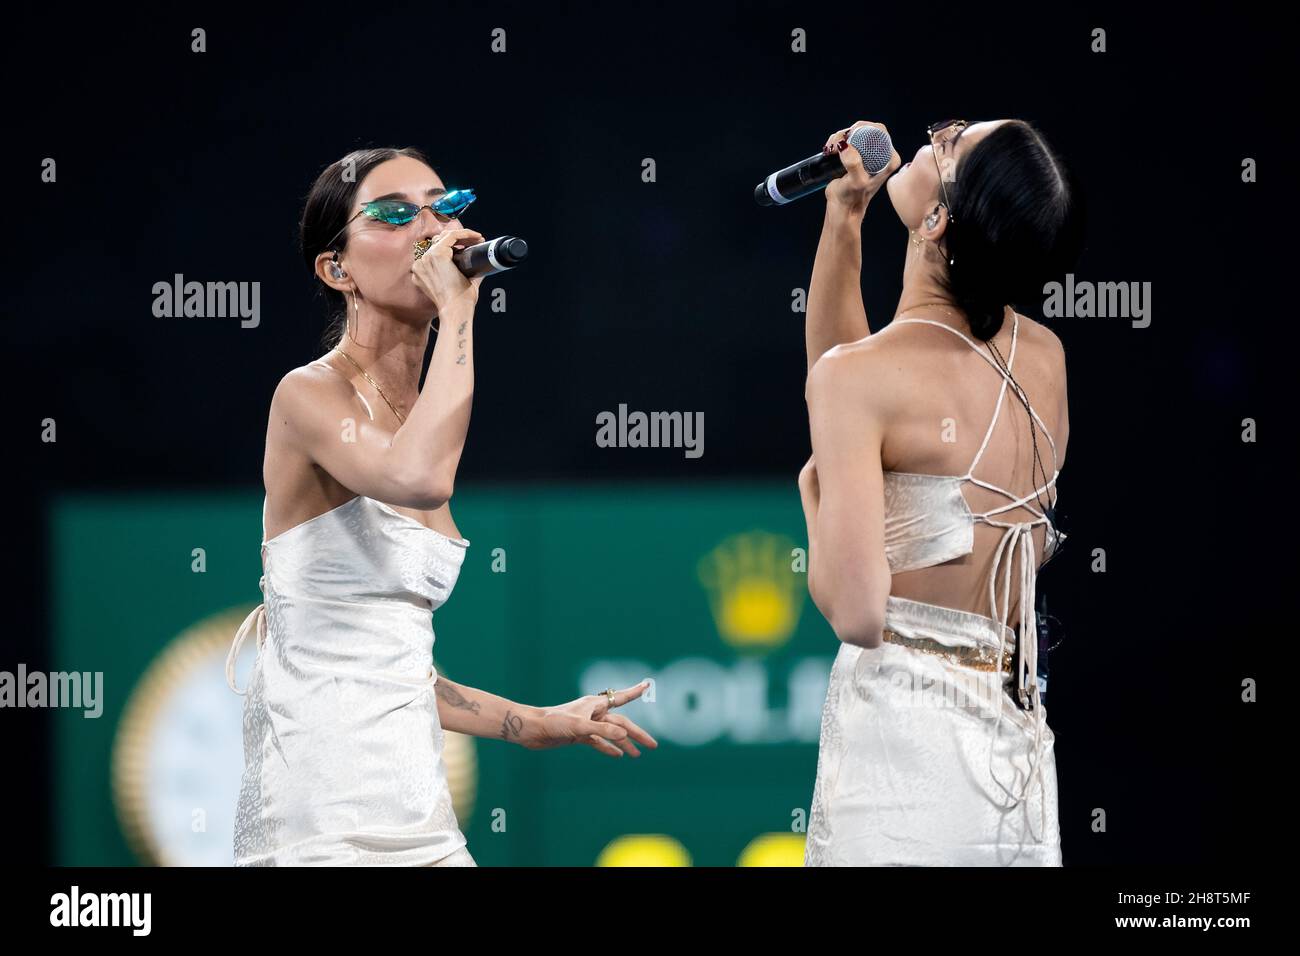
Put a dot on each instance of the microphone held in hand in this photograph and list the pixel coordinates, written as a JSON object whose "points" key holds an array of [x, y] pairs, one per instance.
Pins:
{"points": [[484, 258], [815, 172]]}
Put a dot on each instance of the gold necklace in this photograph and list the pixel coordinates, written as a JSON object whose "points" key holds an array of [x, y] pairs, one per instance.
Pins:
{"points": [[400, 417]]}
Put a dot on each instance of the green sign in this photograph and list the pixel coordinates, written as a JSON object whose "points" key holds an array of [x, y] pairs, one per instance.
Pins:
{"points": [[565, 590]]}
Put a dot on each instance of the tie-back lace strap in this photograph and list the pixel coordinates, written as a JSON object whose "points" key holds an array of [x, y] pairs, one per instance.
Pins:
{"points": [[1020, 536], [255, 621]]}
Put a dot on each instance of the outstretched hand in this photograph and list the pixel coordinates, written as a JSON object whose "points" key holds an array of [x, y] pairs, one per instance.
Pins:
{"points": [[588, 720]]}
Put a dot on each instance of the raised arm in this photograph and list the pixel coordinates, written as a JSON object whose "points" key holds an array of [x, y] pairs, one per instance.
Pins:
{"points": [[416, 466], [836, 314]]}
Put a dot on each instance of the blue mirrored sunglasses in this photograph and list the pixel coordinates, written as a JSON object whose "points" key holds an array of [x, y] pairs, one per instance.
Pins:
{"points": [[398, 212]]}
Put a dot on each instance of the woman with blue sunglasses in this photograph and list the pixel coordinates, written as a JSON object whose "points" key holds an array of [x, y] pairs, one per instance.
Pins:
{"points": [[345, 713]]}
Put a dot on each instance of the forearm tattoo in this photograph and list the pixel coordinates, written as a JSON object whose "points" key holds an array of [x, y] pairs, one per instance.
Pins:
{"points": [[461, 344], [512, 726], [456, 699]]}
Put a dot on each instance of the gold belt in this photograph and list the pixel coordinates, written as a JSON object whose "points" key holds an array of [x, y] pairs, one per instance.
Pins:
{"points": [[980, 657]]}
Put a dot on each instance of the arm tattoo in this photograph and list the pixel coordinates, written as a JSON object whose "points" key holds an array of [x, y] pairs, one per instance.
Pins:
{"points": [[461, 344], [455, 698], [511, 726]]}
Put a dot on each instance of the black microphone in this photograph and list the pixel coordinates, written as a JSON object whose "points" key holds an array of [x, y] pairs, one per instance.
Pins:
{"points": [[488, 258], [815, 172]]}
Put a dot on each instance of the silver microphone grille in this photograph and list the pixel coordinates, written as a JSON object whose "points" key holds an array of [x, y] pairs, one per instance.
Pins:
{"points": [[874, 145]]}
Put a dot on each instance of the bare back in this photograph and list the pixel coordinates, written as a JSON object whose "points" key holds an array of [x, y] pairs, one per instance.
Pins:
{"points": [[944, 398]]}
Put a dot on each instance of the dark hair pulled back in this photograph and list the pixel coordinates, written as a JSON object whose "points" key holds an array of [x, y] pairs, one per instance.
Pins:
{"points": [[1017, 224], [328, 206]]}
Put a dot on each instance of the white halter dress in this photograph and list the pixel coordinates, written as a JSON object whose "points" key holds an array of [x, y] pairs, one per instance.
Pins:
{"points": [[342, 744], [925, 757]]}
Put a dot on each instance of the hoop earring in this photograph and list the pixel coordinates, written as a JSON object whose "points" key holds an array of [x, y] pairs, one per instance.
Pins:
{"points": [[357, 313], [918, 240]]}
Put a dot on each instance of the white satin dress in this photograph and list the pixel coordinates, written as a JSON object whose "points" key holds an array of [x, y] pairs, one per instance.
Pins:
{"points": [[925, 756], [342, 744]]}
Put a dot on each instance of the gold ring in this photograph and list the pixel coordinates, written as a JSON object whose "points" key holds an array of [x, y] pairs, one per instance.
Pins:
{"points": [[609, 692]]}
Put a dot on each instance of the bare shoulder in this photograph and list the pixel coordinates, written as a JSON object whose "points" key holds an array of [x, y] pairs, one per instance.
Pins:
{"points": [[1050, 356], [877, 360], [854, 371], [1039, 336], [304, 393], [840, 360], [1047, 351]]}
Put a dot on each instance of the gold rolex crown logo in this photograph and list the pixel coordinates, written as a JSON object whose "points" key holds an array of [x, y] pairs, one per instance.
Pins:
{"points": [[754, 594]]}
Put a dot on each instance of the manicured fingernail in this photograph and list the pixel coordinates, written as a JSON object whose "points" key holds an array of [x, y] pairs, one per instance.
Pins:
{"points": [[841, 144]]}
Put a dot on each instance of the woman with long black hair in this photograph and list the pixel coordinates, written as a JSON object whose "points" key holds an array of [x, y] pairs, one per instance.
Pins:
{"points": [[930, 504], [345, 713]]}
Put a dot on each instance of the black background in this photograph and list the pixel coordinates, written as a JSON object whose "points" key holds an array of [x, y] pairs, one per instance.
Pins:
{"points": [[676, 295]]}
